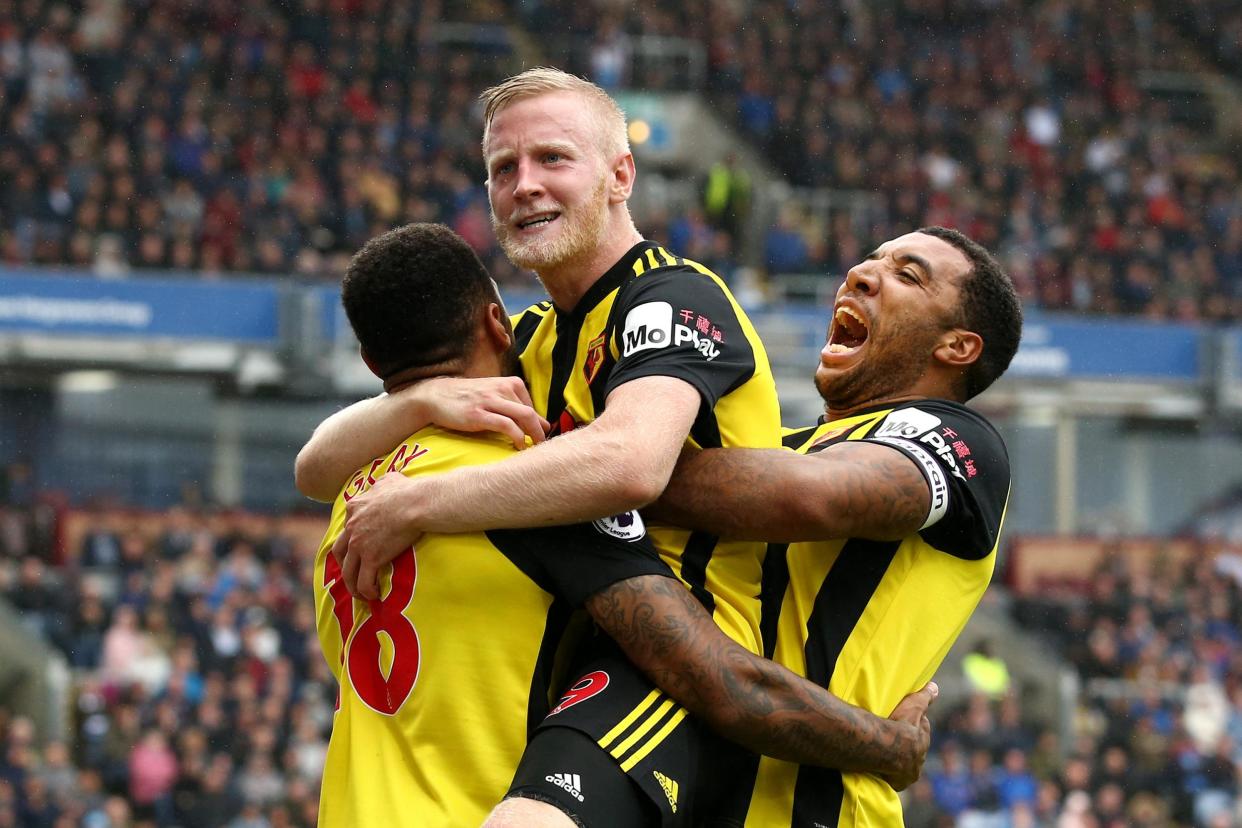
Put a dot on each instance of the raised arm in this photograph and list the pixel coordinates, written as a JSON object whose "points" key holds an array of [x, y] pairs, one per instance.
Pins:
{"points": [[354, 436], [853, 489], [751, 700], [619, 462]]}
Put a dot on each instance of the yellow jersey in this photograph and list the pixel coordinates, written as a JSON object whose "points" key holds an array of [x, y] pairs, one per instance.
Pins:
{"points": [[442, 677], [873, 620]]}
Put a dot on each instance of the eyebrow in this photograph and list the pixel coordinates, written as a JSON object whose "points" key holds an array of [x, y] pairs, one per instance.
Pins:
{"points": [[905, 257], [563, 147], [918, 260]]}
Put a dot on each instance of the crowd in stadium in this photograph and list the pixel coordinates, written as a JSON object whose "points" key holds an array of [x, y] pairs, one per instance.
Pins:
{"points": [[277, 139], [201, 696], [1095, 193], [198, 682]]}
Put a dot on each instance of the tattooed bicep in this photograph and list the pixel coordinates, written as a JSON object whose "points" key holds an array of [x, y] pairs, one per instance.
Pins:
{"points": [[875, 490]]}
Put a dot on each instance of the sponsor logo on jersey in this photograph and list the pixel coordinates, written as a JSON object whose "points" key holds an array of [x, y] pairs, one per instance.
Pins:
{"points": [[936, 480], [908, 423], [651, 326], [592, 684], [669, 787], [944, 451], [627, 526], [683, 335], [571, 782], [646, 327], [594, 358]]}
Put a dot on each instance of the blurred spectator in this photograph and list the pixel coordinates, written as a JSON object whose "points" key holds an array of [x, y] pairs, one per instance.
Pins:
{"points": [[985, 672]]}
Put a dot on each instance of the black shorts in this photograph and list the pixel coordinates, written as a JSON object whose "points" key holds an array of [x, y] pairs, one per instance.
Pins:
{"points": [[667, 762]]}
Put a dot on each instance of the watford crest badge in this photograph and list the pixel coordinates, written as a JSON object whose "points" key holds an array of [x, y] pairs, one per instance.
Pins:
{"points": [[594, 358]]}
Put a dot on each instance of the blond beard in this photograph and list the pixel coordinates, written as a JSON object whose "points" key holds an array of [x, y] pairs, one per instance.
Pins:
{"points": [[584, 227]]}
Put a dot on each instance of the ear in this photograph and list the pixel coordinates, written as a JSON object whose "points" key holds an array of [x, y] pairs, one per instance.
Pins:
{"points": [[621, 183], [959, 348], [496, 327], [370, 363]]}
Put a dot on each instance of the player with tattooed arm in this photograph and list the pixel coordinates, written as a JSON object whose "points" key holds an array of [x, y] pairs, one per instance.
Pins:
{"points": [[894, 502]]}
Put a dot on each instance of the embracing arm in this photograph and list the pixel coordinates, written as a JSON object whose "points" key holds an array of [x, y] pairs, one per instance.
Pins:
{"points": [[617, 463], [850, 490], [371, 428], [749, 699]]}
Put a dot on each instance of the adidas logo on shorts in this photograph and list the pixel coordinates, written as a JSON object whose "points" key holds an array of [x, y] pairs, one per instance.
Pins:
{"points": [[669, 787], [571, 782]]}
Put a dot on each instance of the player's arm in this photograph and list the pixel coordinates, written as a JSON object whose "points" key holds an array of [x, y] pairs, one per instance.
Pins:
{"points": [[749, 699], [853, 489], [373, 427], [619, 462]]}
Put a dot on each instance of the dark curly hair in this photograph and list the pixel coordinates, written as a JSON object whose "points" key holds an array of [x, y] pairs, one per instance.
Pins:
{"points": [[413, 296], [989, 307]]}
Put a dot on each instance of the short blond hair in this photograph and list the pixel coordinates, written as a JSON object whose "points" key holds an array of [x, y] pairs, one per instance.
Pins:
{"points": [[544, 80]]}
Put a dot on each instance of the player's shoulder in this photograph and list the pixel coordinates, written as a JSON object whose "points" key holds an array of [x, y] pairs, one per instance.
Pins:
{"points": [[435, 449], [657, 262], [531, 314], [914, 418], [796, 438]]}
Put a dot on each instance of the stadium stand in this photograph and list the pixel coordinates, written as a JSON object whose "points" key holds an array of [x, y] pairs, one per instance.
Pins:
{"points": [[276, 139], [1101, 195]]}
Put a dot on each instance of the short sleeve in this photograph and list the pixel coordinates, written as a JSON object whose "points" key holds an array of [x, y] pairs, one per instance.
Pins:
{"points": [[678, 322], [966, 467], [575, 562]]}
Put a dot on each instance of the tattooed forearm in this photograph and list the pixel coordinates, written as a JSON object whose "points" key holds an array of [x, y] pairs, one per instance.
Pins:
{"points": [[746, 698], [849, 490]]}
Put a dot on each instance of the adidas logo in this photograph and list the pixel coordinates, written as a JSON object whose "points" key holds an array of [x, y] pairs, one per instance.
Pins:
{"points": [[570, 782], [670, 788]]}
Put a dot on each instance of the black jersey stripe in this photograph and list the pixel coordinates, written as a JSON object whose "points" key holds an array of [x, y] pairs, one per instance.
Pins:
{"points": [[541, 681], [564, 358], [817, 798], [842, 599], [772, 594], [694, 560], [525, 328], [706, 428], [841, 602], [795, 439]]}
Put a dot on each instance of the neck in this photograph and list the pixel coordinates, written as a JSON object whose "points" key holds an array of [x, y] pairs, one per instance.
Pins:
{"points": [[840, 413], [409, 376], [920, 391], [569, 281]]}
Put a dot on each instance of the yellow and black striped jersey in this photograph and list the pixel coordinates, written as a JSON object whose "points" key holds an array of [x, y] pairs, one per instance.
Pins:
{"points": [[873, 620], [442, 678], [656, 314]]}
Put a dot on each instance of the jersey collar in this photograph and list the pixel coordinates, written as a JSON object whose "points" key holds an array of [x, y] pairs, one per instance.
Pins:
{"points": [[882, 406], [612, 279]]}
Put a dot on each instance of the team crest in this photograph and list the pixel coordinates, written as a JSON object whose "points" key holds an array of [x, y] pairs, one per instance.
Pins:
{"points": [[594, 358]]}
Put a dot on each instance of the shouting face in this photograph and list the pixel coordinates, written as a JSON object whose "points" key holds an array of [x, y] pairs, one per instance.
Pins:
{"points": [[888, 320]]}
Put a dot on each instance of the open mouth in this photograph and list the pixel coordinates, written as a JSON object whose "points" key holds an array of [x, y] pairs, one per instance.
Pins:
{"points": [[537, 220], [849, 331]]}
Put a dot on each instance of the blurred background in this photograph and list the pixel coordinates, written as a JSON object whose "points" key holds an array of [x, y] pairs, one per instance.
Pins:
{"points": [[182, 183]]}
